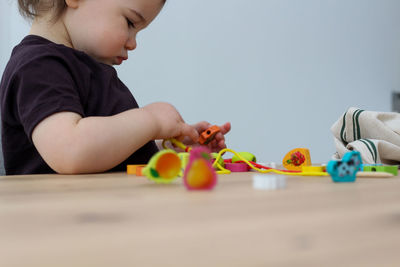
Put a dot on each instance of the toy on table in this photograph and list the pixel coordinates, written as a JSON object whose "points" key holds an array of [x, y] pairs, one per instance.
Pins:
{"points": [[393, 169], [184, 157], [247, 155], [244, 157], [313, 168], [221, 161], [166, 165], [199, 173], [195, 167], [241, 157], [345, 170], [235, 164], [163, 167], [237, 167], [268, 182], [252, 165], [296, 158], [135, 169], [260, 168]]}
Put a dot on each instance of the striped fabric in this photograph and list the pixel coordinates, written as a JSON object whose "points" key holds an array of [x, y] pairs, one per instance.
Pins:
{"points": [[375, 134]]}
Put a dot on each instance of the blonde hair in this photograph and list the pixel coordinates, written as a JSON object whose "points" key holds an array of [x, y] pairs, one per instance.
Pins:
{"points": [[31, 9]]}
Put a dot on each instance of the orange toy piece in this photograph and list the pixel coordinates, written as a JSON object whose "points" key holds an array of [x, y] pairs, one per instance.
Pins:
{"points": [[207, 135], [135, 169], [296, 159]]}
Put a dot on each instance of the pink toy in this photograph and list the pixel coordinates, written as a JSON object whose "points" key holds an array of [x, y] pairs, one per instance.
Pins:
{"points": [[199, 173], [237, 167]]}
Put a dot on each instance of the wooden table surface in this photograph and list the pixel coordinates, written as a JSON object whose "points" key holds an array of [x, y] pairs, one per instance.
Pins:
{"points": [[122, 220]]}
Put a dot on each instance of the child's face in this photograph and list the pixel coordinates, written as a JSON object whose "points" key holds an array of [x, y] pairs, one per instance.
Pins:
{"points": [[107, 29]]}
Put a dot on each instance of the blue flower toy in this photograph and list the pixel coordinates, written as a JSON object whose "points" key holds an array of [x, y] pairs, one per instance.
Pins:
{"points": [[345, 170]]}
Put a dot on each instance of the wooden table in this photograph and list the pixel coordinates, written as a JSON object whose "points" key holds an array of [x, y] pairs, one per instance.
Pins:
{"points": [[122, 220]]}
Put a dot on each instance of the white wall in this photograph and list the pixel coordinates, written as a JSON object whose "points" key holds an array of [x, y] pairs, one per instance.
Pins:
{"points": [[282, 71], [12, 29]]}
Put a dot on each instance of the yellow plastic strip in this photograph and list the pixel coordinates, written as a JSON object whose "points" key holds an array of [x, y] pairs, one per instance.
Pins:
{"points": [[177, 144]]}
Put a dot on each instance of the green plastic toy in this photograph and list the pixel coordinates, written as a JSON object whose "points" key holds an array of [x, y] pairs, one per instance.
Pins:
{"points": [[246, 155], [393, 169]]}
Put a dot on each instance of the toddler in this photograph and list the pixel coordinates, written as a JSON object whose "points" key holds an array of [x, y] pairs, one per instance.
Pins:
{"points": [[63, 107]]}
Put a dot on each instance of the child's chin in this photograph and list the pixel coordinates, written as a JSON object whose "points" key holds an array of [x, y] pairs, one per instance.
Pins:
{"points": [[118, 61]]}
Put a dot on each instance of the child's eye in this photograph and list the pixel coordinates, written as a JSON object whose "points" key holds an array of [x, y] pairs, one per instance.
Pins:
{"points": [[130, 23]]}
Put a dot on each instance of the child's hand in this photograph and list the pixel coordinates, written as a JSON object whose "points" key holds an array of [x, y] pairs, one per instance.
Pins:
{"points": [[169, 123], [218, 142]]}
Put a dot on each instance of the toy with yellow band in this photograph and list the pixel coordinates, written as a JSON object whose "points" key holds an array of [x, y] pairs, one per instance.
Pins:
{"points": [[222, 170]]}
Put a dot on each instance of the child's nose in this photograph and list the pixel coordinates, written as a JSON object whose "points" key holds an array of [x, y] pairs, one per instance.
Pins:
{"points": [[131, 43]]}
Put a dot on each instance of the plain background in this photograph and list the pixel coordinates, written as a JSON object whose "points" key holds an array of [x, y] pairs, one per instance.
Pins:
{"points": [[281, 71]]}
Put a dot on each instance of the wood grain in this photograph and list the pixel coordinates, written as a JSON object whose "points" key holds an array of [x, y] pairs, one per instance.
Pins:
{"points": [[124, 220]]}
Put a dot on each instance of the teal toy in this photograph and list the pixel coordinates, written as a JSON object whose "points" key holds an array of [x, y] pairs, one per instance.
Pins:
{"points": [[345, 170]]}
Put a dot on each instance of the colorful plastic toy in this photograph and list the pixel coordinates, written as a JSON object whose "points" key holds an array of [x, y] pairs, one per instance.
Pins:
{"points": [[252, 165], [246, 155], [199, 173], [296, 158], [163, 167], [313, 169], [220, 161], [237, 167], [184, 157], [135, 169], [393, 169], [345, 170], [207, 135]]}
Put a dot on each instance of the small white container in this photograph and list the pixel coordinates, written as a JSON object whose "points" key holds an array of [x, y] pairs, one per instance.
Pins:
{"points": [[269, 182]]}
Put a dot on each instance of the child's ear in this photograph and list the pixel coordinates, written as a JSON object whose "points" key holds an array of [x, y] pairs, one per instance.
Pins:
{"points": [[72, 3]]}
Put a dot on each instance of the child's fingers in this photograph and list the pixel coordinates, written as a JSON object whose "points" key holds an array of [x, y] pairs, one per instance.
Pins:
{"points": [[219, 136], [225, 128], [221, 144], [202, 126], [190, 131], [216, 146], [213, 143]]}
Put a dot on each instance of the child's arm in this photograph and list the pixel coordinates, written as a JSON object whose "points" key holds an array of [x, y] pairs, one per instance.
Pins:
{"points": [[72, 144]]}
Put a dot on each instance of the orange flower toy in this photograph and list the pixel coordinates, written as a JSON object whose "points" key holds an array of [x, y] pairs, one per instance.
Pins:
{"points": [[296, 159], [199, 173]]}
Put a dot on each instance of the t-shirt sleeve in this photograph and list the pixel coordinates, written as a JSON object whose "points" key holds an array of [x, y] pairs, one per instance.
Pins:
{"points": [[45, 87]]}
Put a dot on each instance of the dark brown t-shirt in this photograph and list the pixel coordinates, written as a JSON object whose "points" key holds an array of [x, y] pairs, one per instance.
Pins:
{"points": [[43, 78]]}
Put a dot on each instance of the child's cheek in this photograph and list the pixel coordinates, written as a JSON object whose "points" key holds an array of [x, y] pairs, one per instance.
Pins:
{"points": [[112, 43]]}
